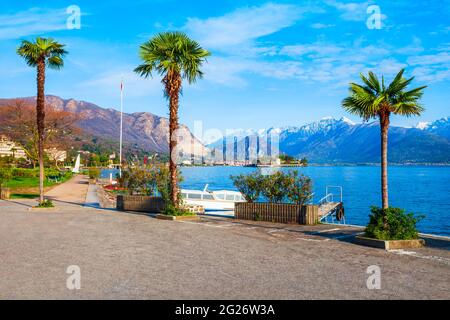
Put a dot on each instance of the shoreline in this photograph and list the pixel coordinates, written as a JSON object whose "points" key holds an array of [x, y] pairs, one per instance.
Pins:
{"points": [[326, 165]]}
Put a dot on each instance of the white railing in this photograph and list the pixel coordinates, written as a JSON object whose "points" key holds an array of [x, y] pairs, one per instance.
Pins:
{"points": [[331, 198], [335, 187]]}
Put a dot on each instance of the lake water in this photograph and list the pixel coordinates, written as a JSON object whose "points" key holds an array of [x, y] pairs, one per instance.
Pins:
{"points": [[421, 190]]}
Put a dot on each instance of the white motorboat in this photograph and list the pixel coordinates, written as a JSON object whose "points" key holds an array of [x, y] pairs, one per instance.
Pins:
{"points": [[222, 200]]}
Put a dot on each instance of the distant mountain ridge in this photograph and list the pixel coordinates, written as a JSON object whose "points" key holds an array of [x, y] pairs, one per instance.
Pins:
{"points": [[142, 129], [335, 141], [328, 141]]}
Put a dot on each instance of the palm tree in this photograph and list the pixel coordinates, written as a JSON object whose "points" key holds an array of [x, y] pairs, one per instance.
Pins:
{"points": [[42, 53], [373, 99], [174, 56]]}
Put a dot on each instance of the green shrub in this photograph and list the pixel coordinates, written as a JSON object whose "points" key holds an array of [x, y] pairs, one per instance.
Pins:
{"points": [[46, 204], [392, 224], [249, 185], [274, 187], [25, 173], [5, 176], [299, 188], [94, 173]]}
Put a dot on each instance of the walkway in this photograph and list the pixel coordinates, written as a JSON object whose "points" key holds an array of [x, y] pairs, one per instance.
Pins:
{"points": [[73, 191], [123, 255]]}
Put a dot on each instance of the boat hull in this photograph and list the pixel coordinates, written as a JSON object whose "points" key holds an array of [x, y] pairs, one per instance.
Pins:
{"points": [[213, 205]]}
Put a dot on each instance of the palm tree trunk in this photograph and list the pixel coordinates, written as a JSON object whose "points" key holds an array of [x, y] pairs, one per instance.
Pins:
{"points": [[173, 85], [40, 112], [384, 123]]}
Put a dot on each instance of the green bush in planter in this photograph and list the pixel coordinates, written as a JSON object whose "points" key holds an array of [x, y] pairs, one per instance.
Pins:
{"points": [[249, 185], [94, 173], [392, 224]]}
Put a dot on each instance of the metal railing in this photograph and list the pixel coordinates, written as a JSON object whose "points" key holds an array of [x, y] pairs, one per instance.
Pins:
{"points": [[332, 198]]}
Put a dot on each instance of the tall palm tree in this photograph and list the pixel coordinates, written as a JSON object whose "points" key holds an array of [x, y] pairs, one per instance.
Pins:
{"points": [[174, 56], [42, 53], [373, 99]]}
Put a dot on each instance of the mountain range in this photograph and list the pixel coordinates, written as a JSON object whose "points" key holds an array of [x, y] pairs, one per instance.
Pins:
{"points": [[328, 141], [332, 141], [141, 130]]}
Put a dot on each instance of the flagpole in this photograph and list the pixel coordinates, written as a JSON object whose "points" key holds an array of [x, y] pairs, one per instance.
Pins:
{"points": [[121, 128]]}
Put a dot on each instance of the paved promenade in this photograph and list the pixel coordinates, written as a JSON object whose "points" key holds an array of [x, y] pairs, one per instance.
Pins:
{"points": [[124, 255]]}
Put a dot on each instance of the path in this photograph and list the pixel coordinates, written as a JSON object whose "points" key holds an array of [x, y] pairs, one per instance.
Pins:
{"points": [[72, 192], [123, 255]]}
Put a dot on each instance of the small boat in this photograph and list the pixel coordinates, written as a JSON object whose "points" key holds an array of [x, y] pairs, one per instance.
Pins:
{"points": [[222, 200]]}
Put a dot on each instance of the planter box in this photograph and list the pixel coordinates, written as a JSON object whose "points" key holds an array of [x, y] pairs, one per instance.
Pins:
{"points": [[177, 218], [196, 209], [277, 212], [5, 194], [390, 244], [140, 204]]}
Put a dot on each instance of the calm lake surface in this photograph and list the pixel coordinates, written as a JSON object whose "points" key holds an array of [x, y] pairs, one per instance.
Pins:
{"points": [[421, 190]]}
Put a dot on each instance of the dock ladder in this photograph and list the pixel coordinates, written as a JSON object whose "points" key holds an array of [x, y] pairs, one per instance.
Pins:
{"points": [[331, 207]]}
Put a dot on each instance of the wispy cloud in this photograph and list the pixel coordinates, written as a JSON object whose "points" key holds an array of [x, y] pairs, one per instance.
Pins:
{"points": [[31, 22], [431, 67], [352, 11], [322, 26], [243, 26], [134, 86]]}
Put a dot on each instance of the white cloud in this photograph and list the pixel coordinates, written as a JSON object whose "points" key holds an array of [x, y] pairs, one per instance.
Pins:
{"points": [[389, 66], [31, 22], [134, 86], [431, 67], [430, 59], [230, 71], [242, 26], [317, 49], [352, 11], [322, 26]]}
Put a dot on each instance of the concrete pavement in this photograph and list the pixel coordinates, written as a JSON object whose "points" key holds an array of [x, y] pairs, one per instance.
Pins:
{"points": [[132, 256]]}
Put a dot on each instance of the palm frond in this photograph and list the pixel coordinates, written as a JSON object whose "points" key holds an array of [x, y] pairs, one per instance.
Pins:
{"points": [[42, 49], [371, 99], [172, 52]]}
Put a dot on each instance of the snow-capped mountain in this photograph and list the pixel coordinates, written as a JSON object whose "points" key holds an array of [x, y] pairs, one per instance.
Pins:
{"points": [[343, 141], [440, 127]]}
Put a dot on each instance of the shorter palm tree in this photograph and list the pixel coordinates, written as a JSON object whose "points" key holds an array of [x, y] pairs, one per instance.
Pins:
{"points": [[174, 56], [44, 52], [373, 99]]}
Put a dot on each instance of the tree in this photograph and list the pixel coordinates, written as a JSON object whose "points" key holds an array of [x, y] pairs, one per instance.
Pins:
{"points": [[5, 176], [373, 99], [18, 122], [42, 53], [174, 56]]}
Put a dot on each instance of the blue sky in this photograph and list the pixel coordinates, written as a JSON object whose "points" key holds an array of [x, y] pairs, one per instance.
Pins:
{"points": [[277, 63]]}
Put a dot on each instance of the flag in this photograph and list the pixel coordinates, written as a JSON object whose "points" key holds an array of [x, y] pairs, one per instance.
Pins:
{"points": [[121, 85]]}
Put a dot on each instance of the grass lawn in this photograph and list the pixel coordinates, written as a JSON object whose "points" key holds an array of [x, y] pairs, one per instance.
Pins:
{"points": [[22, 187]]}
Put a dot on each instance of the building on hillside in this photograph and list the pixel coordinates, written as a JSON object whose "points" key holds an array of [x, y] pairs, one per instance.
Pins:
{"points": [[9, 148]]}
